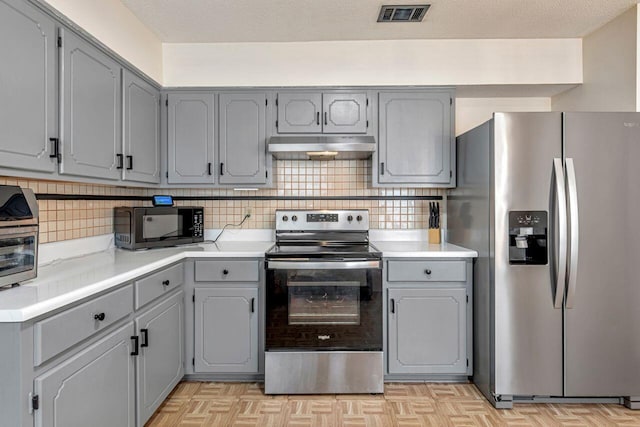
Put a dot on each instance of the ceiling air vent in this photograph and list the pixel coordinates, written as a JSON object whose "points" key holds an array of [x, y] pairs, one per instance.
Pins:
{"points": [[412, 13]]}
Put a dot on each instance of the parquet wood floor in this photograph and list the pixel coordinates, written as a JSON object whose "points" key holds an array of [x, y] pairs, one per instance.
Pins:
{"points": [[195, 404]]}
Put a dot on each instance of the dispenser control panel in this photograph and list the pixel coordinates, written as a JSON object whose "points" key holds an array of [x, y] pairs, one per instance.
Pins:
{"points": [[528, 237]]}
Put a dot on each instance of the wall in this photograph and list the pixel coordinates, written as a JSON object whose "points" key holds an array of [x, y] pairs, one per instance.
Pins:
{"points": [[471, 112], [117, 27], [63, 220], [398, 62], [610, 69]]}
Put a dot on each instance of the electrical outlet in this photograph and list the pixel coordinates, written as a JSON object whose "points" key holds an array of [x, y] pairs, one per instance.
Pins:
{"points": [[247, 211]]}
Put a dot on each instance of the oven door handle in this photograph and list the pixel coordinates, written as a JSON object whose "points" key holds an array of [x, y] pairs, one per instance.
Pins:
{"points": [[323, 265]]}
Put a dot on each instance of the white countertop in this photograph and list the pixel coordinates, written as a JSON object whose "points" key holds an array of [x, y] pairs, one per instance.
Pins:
{"points": [[66, 281], [422, 249]]}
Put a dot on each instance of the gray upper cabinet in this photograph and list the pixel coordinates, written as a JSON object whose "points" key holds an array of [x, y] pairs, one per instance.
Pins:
{"points": [[160, 365], [415, 138], [93, 388], [299, 112], [218, 347], [427, 331], [322, 112], [243, 137], [190, 138], [27, 88], [91, 114], [141, 129]]}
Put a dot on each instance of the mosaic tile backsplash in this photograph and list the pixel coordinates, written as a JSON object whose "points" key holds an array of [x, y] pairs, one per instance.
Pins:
{"points": [[63, 220]]}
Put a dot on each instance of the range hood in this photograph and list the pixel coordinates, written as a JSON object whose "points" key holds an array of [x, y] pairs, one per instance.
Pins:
{"points": [[322, 147]]}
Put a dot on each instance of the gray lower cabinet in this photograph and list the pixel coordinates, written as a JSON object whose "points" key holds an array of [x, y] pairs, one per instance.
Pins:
{"points": [[160, 365], [243, 138], [226, 329], [336, 112], [415, 143], [91, 113], [141, 130], [427, 331], [28, 87], [93, 388], [190, 138]]}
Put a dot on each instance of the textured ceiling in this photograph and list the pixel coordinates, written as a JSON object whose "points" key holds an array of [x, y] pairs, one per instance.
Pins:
{"points": [[322, 20]]}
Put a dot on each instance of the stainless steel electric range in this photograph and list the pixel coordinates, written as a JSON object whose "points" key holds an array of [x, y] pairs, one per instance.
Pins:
{"points": [[324, 305]]}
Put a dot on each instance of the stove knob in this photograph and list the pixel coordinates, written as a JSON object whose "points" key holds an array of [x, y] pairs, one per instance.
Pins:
{"points": [[285, 218], [294, 218], [359, 218], [350, 218]]}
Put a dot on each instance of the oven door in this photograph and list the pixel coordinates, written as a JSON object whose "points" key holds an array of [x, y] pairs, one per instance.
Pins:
{"points": [[324, 305], [18, 254]]}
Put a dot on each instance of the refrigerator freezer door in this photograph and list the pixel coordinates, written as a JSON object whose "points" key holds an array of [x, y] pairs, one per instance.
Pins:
{"points": [[602, 340], [528, 329]]}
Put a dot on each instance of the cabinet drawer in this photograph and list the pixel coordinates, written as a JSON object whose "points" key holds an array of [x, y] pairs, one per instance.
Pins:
{"points": [[427, 271], [227, 271], [60, 332], [157, 284]]}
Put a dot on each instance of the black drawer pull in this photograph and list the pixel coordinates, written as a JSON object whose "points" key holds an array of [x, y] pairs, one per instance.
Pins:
{"points": [[221, 169], [326, 118], [209, 168], [225, 271], [120, 161], [55, 153], [318, 118], [393, 305], [130, 161], [382, 168], [427, 272], [253, 305], [99, 316], [145, 337], [166, 282], [135, 346]]}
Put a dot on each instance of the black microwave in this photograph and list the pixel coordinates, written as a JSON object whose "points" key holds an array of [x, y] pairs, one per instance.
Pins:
{"points": [[155, 227]]}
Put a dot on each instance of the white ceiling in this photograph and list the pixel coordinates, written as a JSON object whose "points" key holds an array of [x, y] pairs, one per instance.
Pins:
{"points": [[201, 21]]}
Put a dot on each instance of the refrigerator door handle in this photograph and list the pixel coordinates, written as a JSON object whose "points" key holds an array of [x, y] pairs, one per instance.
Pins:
{"points": [[562, 233], [574, 232]]}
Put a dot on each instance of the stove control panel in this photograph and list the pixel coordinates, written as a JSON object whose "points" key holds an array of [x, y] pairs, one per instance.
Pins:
{"points": [[319, 220]]}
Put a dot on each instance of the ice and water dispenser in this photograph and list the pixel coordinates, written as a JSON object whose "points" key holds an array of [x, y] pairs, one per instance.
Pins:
{"points": [[528, 236]]}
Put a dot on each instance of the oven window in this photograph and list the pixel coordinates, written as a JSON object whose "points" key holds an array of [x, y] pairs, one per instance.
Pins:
{"points": [[17, 254], [323, 303]]}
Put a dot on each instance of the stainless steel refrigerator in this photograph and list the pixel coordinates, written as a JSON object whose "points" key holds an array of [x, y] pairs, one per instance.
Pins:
{"points": [[551, 202]]}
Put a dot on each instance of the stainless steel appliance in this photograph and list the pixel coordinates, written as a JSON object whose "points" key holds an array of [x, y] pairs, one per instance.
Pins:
{"points": [[18, 235], [328, 147], [550, 202], [324, 305], [154, 227]]}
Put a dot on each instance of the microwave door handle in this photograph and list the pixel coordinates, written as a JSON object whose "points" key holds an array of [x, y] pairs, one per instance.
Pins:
{"points": [[562, 232]]}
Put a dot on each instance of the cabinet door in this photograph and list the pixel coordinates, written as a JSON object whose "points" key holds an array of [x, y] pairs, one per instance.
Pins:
{"points": [[27, 87], [415, 138], [141, 123], [190, 139], [93, 388], [344, 112], [243, 138], [226, 330], [427, 331], [299, 112], [160, 365], [91, 110]]}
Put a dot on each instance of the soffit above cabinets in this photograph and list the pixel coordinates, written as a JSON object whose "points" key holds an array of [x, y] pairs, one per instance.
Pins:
{"points": [[217, 21]]}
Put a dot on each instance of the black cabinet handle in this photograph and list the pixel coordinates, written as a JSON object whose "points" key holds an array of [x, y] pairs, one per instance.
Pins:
{"points": [[382, 168], [393, 305], [120, 161], [55, 152], [427, 272], [209, 168], [253, 305], [130, 161], [221, 169], [318, 118], [166, 282], [225, 271], [145, 337], [326, 117], [100, 316], [135, 351]]}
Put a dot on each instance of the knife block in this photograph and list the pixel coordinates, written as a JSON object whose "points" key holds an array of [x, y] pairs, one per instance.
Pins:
{"points": [[434, 236]]}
